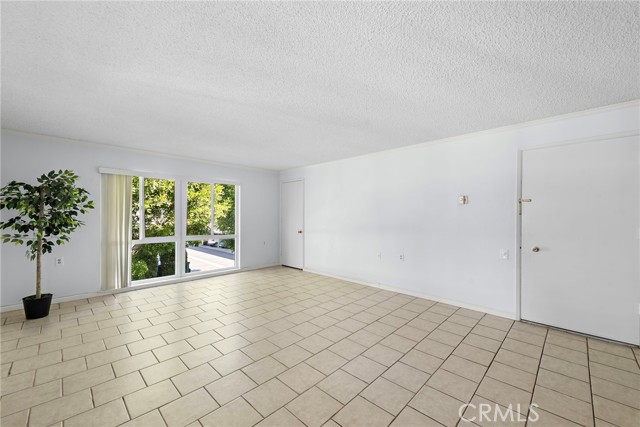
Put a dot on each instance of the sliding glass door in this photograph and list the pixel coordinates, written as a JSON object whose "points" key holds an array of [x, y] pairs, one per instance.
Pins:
{"points": [[199, 217]]}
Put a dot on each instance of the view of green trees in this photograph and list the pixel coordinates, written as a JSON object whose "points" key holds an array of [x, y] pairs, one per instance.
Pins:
{"points": [[158, 259], [198, 209], [135, 208], [225, 209], [159, 207]]}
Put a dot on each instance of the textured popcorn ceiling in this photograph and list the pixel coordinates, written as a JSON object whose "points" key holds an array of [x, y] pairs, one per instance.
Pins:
{"points": [[278, 85]]}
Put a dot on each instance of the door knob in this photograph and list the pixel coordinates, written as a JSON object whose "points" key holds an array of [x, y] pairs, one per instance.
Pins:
{"points": [[299, 231], [535, 249]]}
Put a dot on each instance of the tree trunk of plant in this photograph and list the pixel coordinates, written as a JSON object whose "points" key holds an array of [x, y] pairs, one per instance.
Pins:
{"points": [[40, 232]]}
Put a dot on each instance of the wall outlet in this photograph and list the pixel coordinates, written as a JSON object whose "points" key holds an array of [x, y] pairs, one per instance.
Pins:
{"points": [[402, 257], [59, 262], [379, 255], [504, 253]]}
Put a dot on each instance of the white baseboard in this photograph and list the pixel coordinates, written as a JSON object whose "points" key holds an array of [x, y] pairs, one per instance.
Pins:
{"points": [[74, 297], [511, 316]]}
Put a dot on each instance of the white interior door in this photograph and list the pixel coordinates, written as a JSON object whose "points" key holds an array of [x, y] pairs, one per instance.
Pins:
{"points": [[580, 247], [292, 224]]}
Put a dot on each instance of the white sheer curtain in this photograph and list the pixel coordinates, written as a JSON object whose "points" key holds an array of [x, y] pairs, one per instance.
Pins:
{"points": [[117, 229]]}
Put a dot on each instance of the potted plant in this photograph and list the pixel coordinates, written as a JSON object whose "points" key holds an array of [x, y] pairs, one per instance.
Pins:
{"points": [[45, 215]]}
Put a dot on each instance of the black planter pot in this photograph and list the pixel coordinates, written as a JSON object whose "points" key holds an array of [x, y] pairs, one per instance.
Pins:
{"points": [[37, 308]]}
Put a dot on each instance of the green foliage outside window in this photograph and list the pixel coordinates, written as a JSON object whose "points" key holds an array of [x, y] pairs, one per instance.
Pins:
{"points": [[144, 260], [135, 208], [159, 214], [159, 207], [198, 209], [225, 212]]}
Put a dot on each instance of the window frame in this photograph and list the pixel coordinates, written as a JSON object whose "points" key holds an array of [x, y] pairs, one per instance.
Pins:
{"points": [[180, 237], [186, 237]]}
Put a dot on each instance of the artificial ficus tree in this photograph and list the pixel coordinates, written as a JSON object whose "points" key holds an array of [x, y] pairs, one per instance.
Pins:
{"points": [[44, 215]]}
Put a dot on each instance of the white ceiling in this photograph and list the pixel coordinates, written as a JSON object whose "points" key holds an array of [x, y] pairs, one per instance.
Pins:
{"points": [[278, 85]]}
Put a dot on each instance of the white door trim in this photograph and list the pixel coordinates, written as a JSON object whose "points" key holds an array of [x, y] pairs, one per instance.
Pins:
{"points": [[611, 136]]}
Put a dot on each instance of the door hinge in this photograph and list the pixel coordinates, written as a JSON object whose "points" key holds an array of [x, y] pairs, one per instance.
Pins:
{"points": [[520, 202]]}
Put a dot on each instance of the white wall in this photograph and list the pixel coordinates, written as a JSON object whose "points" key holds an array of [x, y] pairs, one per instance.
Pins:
{"points": [[405, 201], [26, 156]]}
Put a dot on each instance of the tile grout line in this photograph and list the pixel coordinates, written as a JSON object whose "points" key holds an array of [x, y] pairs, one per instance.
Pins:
{"points": [[535, 382], [626, 371], [126, 408], [593, 403], [562, 375]]}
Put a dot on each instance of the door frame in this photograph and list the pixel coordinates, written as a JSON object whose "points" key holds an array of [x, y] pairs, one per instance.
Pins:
{"points": [[304, 229], [539, 146]]}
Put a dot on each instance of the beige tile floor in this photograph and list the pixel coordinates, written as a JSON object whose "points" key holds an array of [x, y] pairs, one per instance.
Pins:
{"points": [[279, 347]]}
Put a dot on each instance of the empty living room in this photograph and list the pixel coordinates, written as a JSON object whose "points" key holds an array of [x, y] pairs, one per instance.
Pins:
{"points": [[320, 213]]}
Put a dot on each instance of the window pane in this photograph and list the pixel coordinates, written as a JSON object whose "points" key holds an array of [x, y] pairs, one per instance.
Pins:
{"points": [[198, 209], [153, 260], [135, 208], [210, 255], [225, 209], [159, 204]]}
